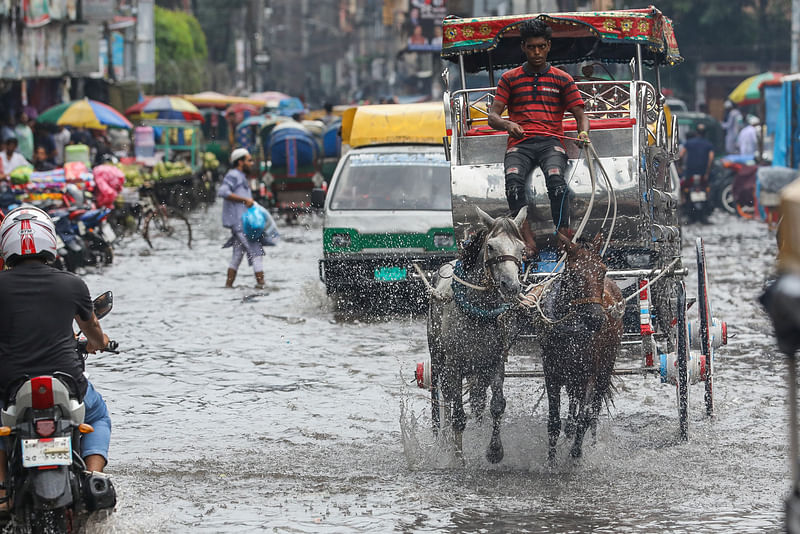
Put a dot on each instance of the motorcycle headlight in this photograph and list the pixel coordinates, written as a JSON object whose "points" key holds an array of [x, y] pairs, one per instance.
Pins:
{"points": [[443, 240], [340, 240]]}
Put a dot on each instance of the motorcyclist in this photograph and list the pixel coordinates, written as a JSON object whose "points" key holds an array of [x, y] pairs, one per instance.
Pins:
{"points": [[697, 154], [37, 306]]}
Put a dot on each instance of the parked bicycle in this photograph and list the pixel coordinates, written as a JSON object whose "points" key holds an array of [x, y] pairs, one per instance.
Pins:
{"points": [[160, 223]]}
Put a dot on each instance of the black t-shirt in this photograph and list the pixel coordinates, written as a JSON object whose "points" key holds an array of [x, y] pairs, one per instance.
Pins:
{"points": [[37, 306], [697, 151]]}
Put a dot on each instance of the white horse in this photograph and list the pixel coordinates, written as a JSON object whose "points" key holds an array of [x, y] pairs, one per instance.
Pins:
{"points": [[467, 337]]}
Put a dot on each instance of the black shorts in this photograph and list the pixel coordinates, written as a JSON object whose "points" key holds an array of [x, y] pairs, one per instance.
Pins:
{"points": [[549, 154]]}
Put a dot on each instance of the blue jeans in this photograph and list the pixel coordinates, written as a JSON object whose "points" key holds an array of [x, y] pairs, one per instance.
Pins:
{"points": [[96, 415]]}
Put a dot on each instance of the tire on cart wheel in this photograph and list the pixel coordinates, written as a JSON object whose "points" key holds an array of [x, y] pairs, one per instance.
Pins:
{"points": [[682, 348], [704, 309]]}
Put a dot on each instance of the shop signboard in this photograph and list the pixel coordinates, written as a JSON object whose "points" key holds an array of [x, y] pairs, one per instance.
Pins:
{"points": [[97, 10], [35, 13], [9, 56], [82, 48], [424, 25], [117, 55], [54, 51], [63, 9]]}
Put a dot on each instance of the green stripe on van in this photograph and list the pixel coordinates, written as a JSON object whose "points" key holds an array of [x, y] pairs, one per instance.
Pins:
{"points": [[335, 240]]}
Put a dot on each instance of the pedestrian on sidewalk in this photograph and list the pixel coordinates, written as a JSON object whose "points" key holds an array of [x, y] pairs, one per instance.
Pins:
{"points": [[235, 190]]}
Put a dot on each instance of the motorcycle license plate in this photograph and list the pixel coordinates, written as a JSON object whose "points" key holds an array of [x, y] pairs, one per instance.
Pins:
{"points": [[46, 451], [108, 232], [697, 196]]}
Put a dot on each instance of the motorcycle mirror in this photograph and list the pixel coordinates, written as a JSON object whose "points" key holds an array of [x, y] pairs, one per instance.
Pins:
{"points": [[103, 304]]}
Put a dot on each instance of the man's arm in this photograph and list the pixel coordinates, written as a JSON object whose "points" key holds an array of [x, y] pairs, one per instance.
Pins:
{"points": [[236, 198], [580, 119], [225, 191], [710, 163], [499, 123], [94, 333]]}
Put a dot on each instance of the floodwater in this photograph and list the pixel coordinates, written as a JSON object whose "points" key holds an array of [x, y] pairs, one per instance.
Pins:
{"points": [[270, 411]]}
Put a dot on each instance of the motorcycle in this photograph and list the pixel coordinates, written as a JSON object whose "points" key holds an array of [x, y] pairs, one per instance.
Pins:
{"points": [[695, 198], [85, 237], [48, 486]]}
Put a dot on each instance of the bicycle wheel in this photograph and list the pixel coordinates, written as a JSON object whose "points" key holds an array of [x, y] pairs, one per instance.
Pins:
{"points": [[167, 229]]}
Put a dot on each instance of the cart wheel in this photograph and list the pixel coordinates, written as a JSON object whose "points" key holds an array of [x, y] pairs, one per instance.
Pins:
{"points": [[170, 228], [704, 308], [683, 358]]}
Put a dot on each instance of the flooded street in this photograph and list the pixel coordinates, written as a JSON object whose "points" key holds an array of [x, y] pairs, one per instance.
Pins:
{"points": [[247, 411]]}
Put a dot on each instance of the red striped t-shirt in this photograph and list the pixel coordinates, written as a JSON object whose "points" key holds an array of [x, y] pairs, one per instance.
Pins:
{"points": [[537, 101]]}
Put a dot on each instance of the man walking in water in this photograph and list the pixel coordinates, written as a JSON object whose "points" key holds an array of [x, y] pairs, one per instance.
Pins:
{"points": [[235, 189], [536, 95]]}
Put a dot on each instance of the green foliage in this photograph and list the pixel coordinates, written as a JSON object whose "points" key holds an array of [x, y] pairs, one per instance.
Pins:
{"points": [[181, 53]]}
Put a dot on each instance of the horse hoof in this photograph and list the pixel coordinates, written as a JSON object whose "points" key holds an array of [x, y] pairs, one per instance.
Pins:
{"points": [[495, 453], [569, 429]]}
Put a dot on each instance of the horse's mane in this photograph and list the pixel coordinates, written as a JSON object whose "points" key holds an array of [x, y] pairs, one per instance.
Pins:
{"points": [[472, 248]]}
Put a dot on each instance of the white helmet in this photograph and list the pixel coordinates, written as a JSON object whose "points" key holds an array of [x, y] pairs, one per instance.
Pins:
{"points": [[27, 232]]}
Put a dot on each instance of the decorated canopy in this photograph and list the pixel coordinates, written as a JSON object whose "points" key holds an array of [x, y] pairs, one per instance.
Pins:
{"points": [[606, 36]]}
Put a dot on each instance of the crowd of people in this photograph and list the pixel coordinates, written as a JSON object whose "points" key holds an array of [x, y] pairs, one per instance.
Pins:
{"points": [[25, 142]]}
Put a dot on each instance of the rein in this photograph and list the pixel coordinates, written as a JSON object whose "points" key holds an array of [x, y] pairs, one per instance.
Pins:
{"points": [[536, 302]]}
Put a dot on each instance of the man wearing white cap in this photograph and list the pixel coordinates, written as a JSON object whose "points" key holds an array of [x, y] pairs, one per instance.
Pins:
{"points": [[235, 189], [748, 137]]}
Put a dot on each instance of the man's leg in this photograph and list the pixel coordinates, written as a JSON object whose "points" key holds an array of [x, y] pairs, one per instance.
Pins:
{"points": [[236, 260], [258, 269], [553, 161], [94, 446], [3, 491], [517, 166]]}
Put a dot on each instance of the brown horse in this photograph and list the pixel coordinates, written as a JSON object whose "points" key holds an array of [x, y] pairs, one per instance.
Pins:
{"points": [[580, 328]]}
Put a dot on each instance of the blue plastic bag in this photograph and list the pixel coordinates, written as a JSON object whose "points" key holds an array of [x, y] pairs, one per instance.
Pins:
{"points": [[258, 225], [254, 221]]}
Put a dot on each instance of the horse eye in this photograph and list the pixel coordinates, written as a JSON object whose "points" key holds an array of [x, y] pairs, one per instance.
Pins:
{"points": [[490, 248]]}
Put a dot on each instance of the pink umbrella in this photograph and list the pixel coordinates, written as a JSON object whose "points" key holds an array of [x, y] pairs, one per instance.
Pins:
{"points": [[270, 98]]}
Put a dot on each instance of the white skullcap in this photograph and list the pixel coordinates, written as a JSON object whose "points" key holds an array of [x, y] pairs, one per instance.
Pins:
{"points": [[238, 154]]}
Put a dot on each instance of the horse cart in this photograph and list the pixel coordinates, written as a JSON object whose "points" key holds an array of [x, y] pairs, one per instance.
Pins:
{"points": [[624, 185]]}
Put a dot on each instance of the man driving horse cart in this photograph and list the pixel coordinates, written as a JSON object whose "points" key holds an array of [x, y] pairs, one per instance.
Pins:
{"points": [[619, 192]]}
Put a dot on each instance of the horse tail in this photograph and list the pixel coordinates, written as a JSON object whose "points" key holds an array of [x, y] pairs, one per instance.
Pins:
{"points": [[608, 396]]}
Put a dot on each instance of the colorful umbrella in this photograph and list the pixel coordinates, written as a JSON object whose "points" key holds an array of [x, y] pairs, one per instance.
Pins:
{"points": [[256, 120], [85, 114], [270, 98], [748, 90], [242, 108], [136, 109], [289, 106], [172, 107]]}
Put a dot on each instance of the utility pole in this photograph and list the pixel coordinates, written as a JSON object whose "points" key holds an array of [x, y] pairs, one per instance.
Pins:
{"points": [[795, 34]]}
